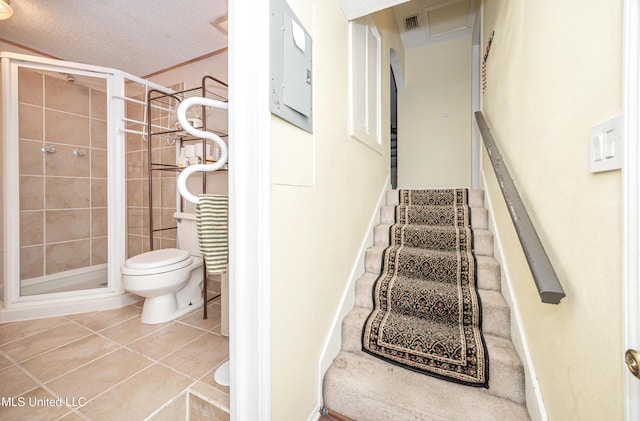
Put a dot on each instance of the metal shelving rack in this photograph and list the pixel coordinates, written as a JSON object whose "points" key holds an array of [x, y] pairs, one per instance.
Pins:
{"points": [[157, 100]]}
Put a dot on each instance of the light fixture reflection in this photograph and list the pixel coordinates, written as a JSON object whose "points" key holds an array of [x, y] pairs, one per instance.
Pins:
{"points": [[5, 10]]}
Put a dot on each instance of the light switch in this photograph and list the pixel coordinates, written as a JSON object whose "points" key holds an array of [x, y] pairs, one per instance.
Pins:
{"points": [[597, 147], [610, 144], [605, 146]]}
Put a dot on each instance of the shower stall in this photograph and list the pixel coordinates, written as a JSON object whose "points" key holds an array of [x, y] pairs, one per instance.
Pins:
{"points": [[64, 189]]}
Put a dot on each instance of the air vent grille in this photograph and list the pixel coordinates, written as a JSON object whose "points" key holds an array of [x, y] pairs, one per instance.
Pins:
{"points": [[411, 22]]}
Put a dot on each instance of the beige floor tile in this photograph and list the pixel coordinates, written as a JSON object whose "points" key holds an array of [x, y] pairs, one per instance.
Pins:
{"points": [[175, 410], [137, 397], [96, 377], [195, 319], [4, 362], [31, 406], [166, 340], [15, 382], [17, 330], [31, 346], [209, 379], [103, 319], [72, 416], [197, 357], [131, 330], [61, 360]]}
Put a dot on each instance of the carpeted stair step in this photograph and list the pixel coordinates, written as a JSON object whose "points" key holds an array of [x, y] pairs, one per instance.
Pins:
{"points": [[365, 388], [496, 316], [475, 197], [487, 268], [482, 239], [506, 373], [479, 217]]}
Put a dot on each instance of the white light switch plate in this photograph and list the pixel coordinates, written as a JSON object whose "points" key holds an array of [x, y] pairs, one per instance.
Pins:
{"points": [[605, 146]]}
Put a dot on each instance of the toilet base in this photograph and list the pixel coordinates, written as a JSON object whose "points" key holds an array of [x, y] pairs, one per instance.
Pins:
{"points": [[167, 307]]}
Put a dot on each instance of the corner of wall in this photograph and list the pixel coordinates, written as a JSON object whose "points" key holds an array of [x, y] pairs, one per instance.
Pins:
{"points": [[333, 341]]}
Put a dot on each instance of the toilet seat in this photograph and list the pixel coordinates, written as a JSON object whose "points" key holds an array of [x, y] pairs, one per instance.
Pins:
{"points": [[157, 261]]}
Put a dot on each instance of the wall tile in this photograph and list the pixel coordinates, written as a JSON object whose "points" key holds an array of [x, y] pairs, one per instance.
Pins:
{"points": [[30, 86], [66, 96], [31, 228], [66, 128], [31, 259], [67, 225], [99, 192], [99, 163], [99, 104], [31, 192], [67, 256], [64, 163], [99, 222], [65, 193], [98, 134], [30, 122], [31, 157], [99, 251]]}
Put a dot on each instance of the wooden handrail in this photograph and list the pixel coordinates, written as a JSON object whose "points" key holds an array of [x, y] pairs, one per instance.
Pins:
{"points": [[544, 275]]}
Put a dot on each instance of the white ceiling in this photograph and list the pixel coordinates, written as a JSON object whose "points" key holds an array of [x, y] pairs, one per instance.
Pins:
{"points": [[138, 36], [145, 36], [437, 20]]}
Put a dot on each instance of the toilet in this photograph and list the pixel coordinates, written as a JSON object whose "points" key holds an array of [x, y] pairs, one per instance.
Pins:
{"points": [[169, 279]]}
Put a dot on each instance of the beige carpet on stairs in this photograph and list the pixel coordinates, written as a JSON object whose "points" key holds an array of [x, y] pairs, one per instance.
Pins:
{"points": [[426, 314]]}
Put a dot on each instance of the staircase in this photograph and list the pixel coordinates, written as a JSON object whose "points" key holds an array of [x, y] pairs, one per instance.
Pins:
{"points": [[364, 388]]}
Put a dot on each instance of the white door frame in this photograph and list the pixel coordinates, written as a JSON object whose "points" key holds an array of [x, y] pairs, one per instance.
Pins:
{"points": [[631, 204], [249, 210]]}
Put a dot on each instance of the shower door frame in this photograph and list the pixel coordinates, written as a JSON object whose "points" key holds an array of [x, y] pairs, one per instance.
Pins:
{"points": [[113, 295]]}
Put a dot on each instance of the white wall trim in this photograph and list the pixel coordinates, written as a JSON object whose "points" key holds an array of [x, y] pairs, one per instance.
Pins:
{"points": [[333, 343], [249, 211], [630, 201], [534, 400]]}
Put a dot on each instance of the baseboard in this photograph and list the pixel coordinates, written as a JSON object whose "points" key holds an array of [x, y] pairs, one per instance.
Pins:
{"points": [[535, 403], [333, 343]]}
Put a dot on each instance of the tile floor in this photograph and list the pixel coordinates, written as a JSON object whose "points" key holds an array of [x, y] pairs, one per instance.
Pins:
{"points": [[106, 365]]}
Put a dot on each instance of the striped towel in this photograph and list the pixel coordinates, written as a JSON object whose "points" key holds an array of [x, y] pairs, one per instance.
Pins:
{"points": [[212, 218]]}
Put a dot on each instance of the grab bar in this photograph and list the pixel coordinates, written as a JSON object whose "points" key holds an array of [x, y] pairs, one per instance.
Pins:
{"points": [[182, 118], [545, 277]]}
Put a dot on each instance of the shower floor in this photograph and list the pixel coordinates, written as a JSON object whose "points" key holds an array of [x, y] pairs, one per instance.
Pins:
{"points": [[108, 365]]}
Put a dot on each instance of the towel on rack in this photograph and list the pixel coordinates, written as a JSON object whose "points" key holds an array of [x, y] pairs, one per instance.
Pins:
{"points": [[212, 219]]}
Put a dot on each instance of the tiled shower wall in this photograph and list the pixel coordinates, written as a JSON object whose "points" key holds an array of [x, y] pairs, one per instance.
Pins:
{"points": [[63, 201], [164, 182]]}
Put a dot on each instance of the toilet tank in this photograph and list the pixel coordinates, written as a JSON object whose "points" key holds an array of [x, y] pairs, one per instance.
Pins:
{"points": [[187, 232]]}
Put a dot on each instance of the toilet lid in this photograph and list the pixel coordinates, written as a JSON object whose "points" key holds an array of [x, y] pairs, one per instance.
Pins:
{"points": [[158, 259]]}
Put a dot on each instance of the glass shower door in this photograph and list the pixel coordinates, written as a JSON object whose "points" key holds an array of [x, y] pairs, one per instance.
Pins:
{"points": [[63, 181]]}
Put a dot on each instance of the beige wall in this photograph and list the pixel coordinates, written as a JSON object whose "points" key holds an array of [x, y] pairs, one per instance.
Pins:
{"points": [[434, 122], [324, 190], [553, 72]]}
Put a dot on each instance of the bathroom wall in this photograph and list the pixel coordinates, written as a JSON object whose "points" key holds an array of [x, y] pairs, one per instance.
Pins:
{"points": [[63, 206], [163, 151]]}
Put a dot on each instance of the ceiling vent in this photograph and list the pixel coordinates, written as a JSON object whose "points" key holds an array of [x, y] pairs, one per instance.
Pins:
{"points": [[411, 22]]}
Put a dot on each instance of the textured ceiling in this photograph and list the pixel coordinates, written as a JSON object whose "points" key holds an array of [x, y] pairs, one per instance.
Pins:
{"points": [[138, 36], [437, 20]]}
